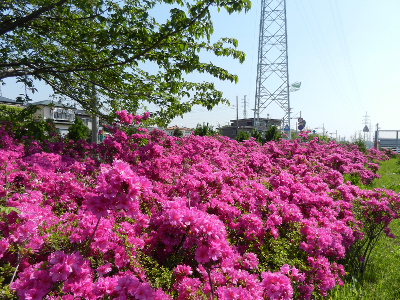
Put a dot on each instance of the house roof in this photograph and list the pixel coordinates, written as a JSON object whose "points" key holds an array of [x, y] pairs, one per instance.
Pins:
{"points": [[262, 119], [50, 102], [176, 127], [7, 100]]}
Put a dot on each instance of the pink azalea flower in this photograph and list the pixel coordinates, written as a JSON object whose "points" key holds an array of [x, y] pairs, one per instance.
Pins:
{"points": [[104, 269], [3, 246], [60, 272], [201, 255], [144, 292]]}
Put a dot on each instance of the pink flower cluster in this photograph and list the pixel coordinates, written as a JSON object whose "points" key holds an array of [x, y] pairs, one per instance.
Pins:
{"points": [[38, 280], [117, 188], [277, 286], [124, 118], [148, 216]]}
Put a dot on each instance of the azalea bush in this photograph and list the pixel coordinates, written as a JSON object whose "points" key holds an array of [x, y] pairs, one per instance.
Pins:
{"points": [[148, 216]]}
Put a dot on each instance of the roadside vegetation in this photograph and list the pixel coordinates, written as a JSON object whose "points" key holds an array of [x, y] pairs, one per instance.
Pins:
{"points": [[381, 279]]}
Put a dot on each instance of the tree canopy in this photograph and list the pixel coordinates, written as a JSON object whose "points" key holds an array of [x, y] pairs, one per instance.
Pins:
{"points": [[177, 132], [272, 134], [205, 130], [78, 130], [78, 46]]}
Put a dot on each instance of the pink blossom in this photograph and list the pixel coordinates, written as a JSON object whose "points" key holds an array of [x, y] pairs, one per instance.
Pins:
{"points": [[183, 270], [196, 203], [3, 247], [144, 292], [201, 255], [146, 115], [60, 272], [124, 117], [104, 269], [277, 286]]}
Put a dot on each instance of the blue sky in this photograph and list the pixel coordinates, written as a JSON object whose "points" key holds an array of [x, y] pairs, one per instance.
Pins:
{"points": [[345, 53]]}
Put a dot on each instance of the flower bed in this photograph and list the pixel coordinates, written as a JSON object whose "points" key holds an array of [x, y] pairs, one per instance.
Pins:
{"points": [[148, 216]]}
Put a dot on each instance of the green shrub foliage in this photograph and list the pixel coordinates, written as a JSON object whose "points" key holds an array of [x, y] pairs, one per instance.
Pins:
{"points": [[177, 132], [78, 130], [272, 134], [205, 130], [242, 136]]}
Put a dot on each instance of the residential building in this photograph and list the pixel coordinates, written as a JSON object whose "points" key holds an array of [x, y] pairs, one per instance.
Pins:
{"points": [[247, 125], [85, 117], [170, 130], [10, 102], [62, 115]]}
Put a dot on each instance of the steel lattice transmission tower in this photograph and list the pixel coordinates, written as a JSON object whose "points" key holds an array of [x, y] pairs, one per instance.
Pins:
{"points": [[272, 84], [367, 130]]}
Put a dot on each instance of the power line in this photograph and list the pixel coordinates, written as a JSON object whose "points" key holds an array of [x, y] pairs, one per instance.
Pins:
{"points": [[345, 55], [338, 77], [252, 52], [349, 62], [325, 64]]}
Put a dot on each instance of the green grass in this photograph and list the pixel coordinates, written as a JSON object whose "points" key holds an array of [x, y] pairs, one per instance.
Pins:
{"points": [[390, 176], [382, 277], [381, 280]]}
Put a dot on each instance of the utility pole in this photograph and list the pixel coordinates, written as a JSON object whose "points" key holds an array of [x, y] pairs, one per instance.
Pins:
{"points": [[95, 119], [244, 107], [323, 130], [376, 144], [237, 115], [370, 131]]}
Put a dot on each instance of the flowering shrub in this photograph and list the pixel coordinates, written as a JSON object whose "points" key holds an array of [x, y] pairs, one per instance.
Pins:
{"points": [[147, 216]]}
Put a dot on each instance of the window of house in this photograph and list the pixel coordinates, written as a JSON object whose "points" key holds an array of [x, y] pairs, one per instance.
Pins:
{"points": [[64, 114]]}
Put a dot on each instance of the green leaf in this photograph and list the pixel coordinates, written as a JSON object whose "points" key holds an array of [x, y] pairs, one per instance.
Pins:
{"points": [[107, 45], [7, 210]]}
